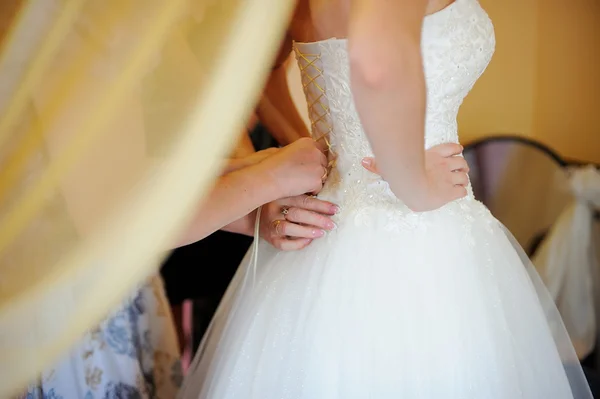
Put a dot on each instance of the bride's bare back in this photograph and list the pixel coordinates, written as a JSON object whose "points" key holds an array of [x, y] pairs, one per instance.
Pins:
{"points": [[316, 20]]}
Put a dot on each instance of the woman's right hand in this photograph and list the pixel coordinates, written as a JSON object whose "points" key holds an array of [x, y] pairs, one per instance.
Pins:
{"points": [[440, 187], [446, 178]]}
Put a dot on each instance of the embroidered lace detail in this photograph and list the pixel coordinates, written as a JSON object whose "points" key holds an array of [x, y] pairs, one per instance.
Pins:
{"points": [[457, 45]]}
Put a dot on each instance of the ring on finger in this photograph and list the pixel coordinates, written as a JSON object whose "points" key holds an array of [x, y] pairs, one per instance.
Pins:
{"points": [[285, 210], [276, 224]]}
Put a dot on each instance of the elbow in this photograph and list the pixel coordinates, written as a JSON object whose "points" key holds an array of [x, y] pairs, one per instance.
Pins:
{"points": [[378, 66]]}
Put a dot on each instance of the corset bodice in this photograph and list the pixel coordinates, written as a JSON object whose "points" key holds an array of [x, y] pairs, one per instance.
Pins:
{"points": [[457, 45]]}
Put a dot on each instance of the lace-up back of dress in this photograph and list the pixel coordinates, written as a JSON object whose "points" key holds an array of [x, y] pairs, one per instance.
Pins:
{"points": [[457, 45]]}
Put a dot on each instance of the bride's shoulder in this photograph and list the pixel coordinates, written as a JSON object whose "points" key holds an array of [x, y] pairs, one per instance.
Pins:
{"points": [[315, 20]]}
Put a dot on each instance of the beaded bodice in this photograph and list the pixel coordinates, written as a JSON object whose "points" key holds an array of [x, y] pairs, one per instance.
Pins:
{"points": [[457, 45]]}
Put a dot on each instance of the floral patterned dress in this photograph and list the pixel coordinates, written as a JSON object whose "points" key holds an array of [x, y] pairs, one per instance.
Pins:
{"points": [[131, 355]]}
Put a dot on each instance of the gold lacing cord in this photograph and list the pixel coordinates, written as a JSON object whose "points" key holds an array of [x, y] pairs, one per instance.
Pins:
{"points": [[316, 107]]}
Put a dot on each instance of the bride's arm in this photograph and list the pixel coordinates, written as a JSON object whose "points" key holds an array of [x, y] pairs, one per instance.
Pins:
{"points": [[276, 109], [245, 154], [275, 121], [389, 90], [389, 86]]}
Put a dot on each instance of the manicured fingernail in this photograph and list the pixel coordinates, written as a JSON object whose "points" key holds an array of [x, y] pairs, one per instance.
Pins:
{"points": [[318, 233], [331, 226], [367, 162], [335, 209]]}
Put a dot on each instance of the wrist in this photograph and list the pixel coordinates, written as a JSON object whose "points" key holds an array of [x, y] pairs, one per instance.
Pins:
{"points": [[232, 165], [412, 189], [244, 225], [270, 186]]}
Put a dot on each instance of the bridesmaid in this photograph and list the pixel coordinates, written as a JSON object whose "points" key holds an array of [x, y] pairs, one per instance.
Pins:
{"points": [[134, 353], [131, 354]]}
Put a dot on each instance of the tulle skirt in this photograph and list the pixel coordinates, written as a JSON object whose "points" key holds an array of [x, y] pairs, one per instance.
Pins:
{"points": [[442, 304]]}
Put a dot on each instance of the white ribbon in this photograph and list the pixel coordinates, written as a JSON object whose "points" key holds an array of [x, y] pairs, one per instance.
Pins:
{"points": [[568, 262]]}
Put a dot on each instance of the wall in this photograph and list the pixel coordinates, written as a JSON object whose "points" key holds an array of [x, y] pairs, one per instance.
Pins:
{"points": [[543, 81], [502, 101], [567, 107]]}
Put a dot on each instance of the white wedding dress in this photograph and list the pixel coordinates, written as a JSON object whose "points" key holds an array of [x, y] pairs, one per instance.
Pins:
{"points": [[391, 304]]}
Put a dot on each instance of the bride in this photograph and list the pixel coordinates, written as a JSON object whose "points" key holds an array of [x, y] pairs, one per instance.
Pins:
{"points": [[419, 293]]}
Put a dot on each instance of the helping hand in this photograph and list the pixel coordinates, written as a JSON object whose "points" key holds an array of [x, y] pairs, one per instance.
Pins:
{"points": [[298, 168], [259, 156], [292, 223]]}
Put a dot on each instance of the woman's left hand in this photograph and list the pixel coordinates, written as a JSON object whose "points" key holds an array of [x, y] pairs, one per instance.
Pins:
{"points": [[292, 223]]}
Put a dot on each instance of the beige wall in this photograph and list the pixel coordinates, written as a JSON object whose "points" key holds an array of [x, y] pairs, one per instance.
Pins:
{"points": [[544, 80], [567, 107], [502, 101]]}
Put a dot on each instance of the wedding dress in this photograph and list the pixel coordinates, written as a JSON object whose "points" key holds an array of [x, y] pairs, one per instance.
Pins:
{"points": [[391, 304]]}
